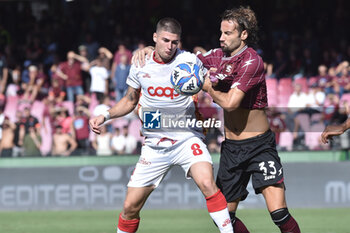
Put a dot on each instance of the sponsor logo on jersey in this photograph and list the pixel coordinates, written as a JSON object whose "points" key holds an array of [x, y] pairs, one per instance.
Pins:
{"points": [[152, 119], [247, 63], [146, 76], [228, 69], [162, 92], [226, 222]]}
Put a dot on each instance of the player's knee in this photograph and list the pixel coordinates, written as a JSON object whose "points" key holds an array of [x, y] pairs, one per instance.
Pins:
{"points": [[130, 211], [280, 216], [208, 186]]}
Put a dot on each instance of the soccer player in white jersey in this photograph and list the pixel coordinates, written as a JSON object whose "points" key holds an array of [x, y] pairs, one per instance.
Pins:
{"points": [[163, 149]]}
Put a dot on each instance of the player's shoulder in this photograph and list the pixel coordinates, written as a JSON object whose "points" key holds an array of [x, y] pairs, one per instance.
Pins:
{"points": [[249, 54], [212, 52]]}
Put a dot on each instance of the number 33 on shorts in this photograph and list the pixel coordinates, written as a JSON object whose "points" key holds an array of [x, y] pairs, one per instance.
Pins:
{"points": [[269, 168]]}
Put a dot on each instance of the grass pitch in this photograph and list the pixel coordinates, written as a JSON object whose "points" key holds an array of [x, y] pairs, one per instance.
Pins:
{"points": [[167, 221]]}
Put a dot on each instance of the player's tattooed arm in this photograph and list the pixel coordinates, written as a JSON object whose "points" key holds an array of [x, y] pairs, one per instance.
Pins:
{"points": [[133, 94], [123, 107], [126, 104]]}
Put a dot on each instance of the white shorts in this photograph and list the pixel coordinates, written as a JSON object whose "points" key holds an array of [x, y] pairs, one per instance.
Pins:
{"points": [[157, 157]]}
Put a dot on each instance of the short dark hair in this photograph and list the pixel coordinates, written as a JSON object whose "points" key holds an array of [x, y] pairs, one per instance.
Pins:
{"points": [[246, 20], [169, 25]]}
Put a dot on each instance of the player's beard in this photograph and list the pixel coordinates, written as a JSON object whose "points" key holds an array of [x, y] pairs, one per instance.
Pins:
{"points": [[225, 49]]}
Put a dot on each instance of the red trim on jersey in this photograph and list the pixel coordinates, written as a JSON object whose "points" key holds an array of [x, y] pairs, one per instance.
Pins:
{"points": [[216, 202], [167, 139], [162, 62], [128, 225]]}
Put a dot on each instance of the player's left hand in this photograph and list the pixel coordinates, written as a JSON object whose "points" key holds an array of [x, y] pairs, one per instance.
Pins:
{"points": [[210, 80], [140, 56], [95, 123], [330, 131]]}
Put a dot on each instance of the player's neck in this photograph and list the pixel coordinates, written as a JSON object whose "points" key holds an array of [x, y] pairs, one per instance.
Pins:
{"points": [[238, 50], [160, 60]]}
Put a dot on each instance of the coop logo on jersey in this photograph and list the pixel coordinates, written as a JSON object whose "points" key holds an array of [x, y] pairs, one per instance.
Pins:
{"points": [[152, 119]]}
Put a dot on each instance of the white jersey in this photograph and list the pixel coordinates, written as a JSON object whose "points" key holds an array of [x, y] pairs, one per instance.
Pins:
{"points": [[162, 108]]}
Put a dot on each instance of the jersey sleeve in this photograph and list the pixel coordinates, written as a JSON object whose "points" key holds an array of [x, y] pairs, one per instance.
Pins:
{"points": [[208, 58], [250, 74], [133, 80]]}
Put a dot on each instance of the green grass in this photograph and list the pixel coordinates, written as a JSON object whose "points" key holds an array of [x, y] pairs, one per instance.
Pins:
{"points": [[167, 221]]}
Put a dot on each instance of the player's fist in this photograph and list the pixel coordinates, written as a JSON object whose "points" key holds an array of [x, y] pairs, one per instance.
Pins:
{"points": [[95, 123]]}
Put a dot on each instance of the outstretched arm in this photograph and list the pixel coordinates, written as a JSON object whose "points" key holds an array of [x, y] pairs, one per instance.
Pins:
{"points": [[123, 107], [334, 130]]}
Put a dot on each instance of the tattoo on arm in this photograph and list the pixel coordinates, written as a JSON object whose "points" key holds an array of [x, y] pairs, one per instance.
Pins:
{"points": [[133, 94]]}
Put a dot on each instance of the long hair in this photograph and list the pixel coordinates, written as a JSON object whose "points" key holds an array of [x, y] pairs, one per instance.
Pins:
{"points": [[246, 20]]}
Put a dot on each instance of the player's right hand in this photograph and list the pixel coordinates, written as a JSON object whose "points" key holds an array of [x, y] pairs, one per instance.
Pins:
{"points": [[138, 59], [95, 123], [330, 131]]}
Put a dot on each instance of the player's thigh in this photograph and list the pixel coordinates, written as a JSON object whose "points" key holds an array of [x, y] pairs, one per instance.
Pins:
{"points": [[202, 174], [267, 178], [134, 201], [151, 168], [274, 196], [191, 152]]}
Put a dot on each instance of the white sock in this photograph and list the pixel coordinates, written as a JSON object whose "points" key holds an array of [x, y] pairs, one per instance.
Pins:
{"points": [[222, 220], [120, 231]]}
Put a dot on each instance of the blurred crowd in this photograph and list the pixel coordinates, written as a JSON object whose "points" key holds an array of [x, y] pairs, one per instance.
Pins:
{"points": [[63, 61]]}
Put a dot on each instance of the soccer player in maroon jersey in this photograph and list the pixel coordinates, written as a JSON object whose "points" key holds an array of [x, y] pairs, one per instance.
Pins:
{"points": [[237, 84]]}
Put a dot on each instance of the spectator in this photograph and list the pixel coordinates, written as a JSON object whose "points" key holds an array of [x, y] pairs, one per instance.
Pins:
{"points": [[70, 71], [3, 72], [18, 150], [103, 105], [81, 129], [342, 79], [324, 81], [85, 68], [15, 88], [330, 109], [104, 57], [64, 120], [118, 142], [130, 141], [120, 76], [277, 123], [122, 50], [32, 141], [102, 143], [99, 80], [63, 143], [7, 139]]}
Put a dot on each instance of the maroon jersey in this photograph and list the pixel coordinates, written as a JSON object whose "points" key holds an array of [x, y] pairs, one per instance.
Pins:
{"points": [[245, 70]]}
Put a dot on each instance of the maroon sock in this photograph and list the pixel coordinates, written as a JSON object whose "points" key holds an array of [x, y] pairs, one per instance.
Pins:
{"points": [[239, 226], [291, 226]]}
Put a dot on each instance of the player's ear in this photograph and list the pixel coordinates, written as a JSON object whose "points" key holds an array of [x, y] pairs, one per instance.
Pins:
{"points": [[155, 37], [244, 35]]}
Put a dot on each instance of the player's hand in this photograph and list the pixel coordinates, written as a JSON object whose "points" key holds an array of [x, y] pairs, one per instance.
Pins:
{"points": [[95, 123], [330, 131], [138, 59], [210, 80]]}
